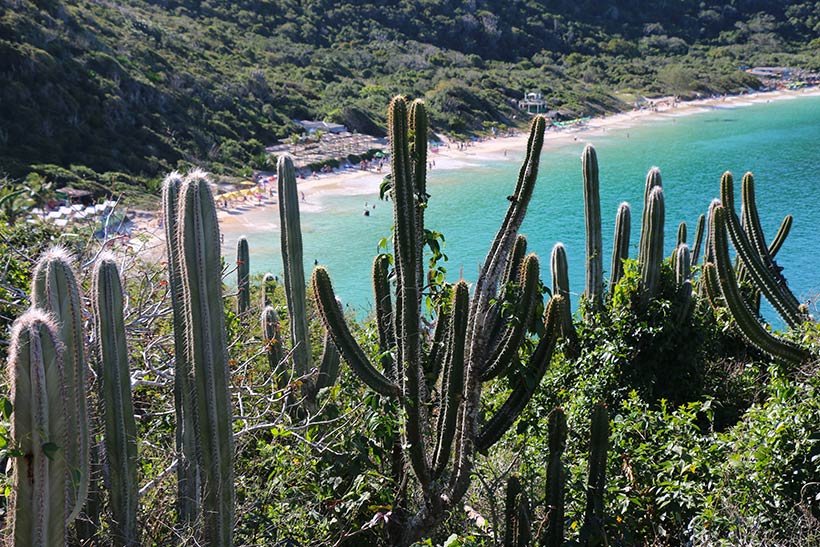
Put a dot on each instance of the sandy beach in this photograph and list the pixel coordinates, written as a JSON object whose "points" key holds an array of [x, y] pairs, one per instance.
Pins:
{"points": [[251, 216]]}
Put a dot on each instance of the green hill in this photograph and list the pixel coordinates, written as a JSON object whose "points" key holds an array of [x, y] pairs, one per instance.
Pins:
{"points": [[117, 93]]}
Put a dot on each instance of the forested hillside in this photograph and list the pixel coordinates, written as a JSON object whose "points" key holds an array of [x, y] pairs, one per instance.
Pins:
{"points": [[131, 89]]}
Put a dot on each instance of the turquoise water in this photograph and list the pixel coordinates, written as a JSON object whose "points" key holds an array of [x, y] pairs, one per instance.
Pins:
{"points": [[777, 141]]}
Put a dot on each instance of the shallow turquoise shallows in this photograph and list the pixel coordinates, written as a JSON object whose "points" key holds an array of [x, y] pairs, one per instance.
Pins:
{"points": [[778, 141]]}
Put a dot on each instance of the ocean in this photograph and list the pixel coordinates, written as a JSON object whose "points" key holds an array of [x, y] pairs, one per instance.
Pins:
{"points": [[777, 141]]}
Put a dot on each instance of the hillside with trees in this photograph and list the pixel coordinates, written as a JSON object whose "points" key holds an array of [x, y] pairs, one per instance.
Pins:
{"points": [[107, 94]]}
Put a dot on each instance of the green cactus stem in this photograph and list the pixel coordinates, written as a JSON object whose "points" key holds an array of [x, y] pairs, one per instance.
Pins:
{"points": [[54, 289], [723, 274], [207, 350], [329, 364], [115, 393], [649, 261], [553, 534], [243, 277], [781, 235], [384, 315], [517, 532], [683, 282], [592, 214], [187, 470], [560, 286], [38, 505], [620, 246], [268, 289], [765, 275], [593, 534], [291, 245]]}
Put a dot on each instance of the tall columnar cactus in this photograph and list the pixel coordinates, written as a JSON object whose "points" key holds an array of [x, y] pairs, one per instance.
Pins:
{"points": [[187, 469], [593, 534], [592, 214], [115, 394], [208, 355], [54, 289], [683, 282], [560, 286], [292, 260], [38, 506], [620, 246], [517, 532], [720, 276], [474, 340], [699, 229], [763, 272], [553, 533], [651, 251], [243, 277], [272, 333]]}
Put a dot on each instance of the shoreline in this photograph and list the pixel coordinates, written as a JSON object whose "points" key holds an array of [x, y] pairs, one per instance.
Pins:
{"points": [[253, 216]]}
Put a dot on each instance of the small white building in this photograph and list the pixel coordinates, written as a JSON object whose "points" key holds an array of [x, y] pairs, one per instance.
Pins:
{"points": [[533, 102], [325, 127]]}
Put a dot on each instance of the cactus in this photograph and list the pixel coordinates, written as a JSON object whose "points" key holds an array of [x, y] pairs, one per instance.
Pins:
{"points": [[272, 334], [698, 239], [592, 533], [763, 272], [328, 364], [187, 470], [720, 274], [553, 533], [592, 214], [115, 392], [54, 289], [560, 286], [477, 338], [243, 277], [620, 246], [207, 353], [517, 531], [38, 506], [268, 289], [651, 252]]}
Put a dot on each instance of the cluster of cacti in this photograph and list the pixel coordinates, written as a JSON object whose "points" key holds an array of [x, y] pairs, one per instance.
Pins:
{"points": [[475, 339], [294, 274]]}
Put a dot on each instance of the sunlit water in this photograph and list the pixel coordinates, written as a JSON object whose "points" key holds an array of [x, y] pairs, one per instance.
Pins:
{"points": [[777, 141]]}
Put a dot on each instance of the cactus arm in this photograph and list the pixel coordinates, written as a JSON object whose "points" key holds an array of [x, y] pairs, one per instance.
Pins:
{"points": [[187, 471], [560, 270], [519, 251], [771, 283], [526, 382], [243, 277], [38, 504], [384, 314], [553, 535], [653, 180], [329, 364], [751, 219], [417, 141], [752, 330], [596, 482], [335, 324], [453, 386], [652, 249], [292, 260], [268, 289], [592, 213], [681, 234], [517, 532], [620, 247], [781, 235], [698, 239], [508, 348], [439, 347], [54, 289], [118, 408], [200, 259]]}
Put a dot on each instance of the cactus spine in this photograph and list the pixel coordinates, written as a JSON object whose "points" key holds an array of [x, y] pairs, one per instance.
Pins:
{"points": [[54, 289], [38, 505], [187, 470], [243, 277], [593, 533], [592, 213], [115, 391], [620, 247], [291, 244], [207, 351], [553, 534]]}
